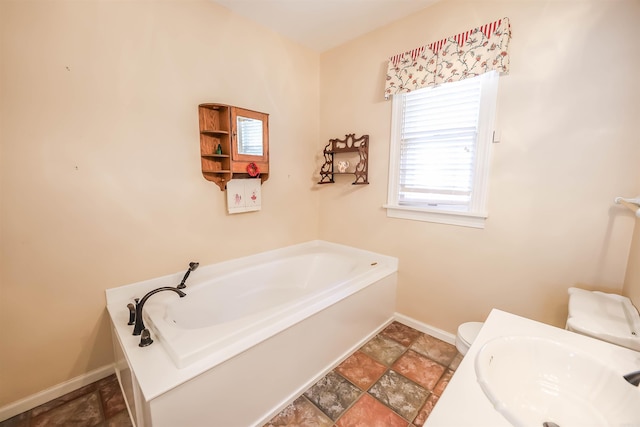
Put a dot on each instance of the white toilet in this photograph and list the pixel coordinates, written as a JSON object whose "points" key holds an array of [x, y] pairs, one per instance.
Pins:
{"points": [[467, 333]]}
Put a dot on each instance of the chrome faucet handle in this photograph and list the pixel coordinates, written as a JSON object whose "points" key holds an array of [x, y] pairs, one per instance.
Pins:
{"points": [[145, 338], [132, 314]]}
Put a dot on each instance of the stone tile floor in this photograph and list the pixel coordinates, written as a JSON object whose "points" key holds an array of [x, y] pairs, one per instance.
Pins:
{"points": [[98, 404], [395, 379]]}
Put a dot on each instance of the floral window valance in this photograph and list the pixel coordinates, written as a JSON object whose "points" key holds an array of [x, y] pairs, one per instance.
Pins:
{"points": [[467, 54]]}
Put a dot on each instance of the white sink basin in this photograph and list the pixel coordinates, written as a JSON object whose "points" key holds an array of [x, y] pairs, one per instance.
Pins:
{"points": [[533, 381]]}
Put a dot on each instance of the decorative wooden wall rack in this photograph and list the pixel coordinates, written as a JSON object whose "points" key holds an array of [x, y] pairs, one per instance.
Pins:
{"points": [[337, 147], [220, 155]]}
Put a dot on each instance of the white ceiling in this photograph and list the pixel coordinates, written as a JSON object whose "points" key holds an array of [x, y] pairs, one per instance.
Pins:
{"points": [[324, 24]]}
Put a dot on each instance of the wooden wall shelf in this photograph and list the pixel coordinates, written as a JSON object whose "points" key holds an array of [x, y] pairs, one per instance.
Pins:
{"points": [[218, 129], [337, 147]]}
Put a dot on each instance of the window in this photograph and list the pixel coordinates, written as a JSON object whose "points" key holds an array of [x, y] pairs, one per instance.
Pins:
{"points": [[440, 146]]}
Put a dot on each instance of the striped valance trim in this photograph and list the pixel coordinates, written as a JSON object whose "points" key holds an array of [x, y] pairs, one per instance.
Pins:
{"points": [[461, 38], [412, 53], [487, 30]]}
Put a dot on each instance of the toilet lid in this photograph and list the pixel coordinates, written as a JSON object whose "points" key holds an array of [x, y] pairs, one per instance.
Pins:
{"points": [[469, 331], [607, 317]]}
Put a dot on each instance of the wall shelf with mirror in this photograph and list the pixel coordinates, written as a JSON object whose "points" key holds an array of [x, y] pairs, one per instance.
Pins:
{"points": [[234, 143], [350, 155]]}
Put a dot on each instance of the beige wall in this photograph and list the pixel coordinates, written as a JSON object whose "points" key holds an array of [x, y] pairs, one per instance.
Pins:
{"points": [[100, 172], [568, 113]]}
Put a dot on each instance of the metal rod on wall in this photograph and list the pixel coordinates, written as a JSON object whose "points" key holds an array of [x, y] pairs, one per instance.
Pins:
{"points": [[633, 204]]}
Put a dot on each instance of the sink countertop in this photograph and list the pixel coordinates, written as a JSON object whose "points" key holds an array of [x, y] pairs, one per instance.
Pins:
{"points": [[463, 402]]}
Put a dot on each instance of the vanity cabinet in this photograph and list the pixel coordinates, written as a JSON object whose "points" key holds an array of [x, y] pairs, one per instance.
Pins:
{"points": [[234, 143], [353, 153]]}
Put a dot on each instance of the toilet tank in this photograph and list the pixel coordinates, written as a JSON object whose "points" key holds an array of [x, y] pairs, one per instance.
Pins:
{"points": [[607, 317]]}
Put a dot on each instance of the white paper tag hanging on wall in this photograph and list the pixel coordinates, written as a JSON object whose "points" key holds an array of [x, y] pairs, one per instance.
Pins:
{"points": [[244, 195]]}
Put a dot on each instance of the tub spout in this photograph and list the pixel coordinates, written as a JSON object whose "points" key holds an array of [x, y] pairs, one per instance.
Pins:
{"points": [[137, 329], [633, 378], [192, 267]]}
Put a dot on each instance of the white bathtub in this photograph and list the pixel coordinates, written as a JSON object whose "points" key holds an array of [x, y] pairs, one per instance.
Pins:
{"points": [[295, 311], [225, 312]]}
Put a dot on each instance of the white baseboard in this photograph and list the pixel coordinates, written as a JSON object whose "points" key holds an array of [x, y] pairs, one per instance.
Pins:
{"points": [[427, 329], [44, 396]]}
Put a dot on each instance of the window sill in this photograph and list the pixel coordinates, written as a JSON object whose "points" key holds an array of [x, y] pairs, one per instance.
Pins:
{"points": [[462, 219]]}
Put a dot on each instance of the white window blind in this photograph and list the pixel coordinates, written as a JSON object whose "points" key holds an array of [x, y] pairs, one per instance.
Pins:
{"points": [[440, 147]]}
